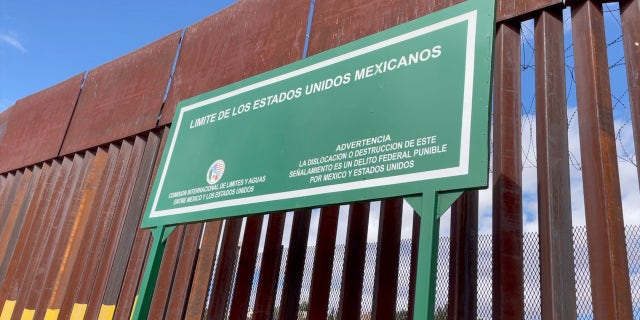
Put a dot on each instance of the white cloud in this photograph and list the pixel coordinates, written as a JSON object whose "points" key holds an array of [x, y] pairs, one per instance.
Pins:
{"points": [[11, 39]]}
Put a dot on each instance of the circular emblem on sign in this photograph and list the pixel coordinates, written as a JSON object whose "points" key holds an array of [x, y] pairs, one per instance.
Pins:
{"points": [[216, 170]]}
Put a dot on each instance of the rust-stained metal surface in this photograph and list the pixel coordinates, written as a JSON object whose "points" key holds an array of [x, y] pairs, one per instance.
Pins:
{"points": [[295, 264], [118, 209], [139, 251], [128, 293], [630, 17], [4, 121], [323, 257], [463, 257], [100, 255], [130, 226], [16, 218], [353, 269], [270, 268], [9, 214], [183, 274], [57, 244], [87, 196], [387, 259], [224, 272], [509, 9], [170, 258], [33, 129], [557, 284], [123, 97], [6, 185], [248, 38], [508, 287], [337, 22], [90, 251], [27, 244], [246, 267], [36, 270], [203, 270], [610, 286]]}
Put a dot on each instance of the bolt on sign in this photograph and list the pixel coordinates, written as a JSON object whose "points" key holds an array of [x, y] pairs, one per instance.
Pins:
{"points": [[404, 112]]}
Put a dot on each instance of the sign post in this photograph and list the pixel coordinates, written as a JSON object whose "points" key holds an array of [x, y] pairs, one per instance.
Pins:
{"points": [[404, 112]]}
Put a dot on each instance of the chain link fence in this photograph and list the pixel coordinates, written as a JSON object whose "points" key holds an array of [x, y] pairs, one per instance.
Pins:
{"points": [[484, 288]]}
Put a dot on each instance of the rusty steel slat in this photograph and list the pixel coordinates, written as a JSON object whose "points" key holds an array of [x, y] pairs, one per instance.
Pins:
{"points": [[259, 35], [337, 22], [163, 133], [90, 251], [463, 257], [30, 286], [25, 202], [246, 268], [521, 9], [630, 16], [27, 247], [9, 218], [295, 264], [440, 4], [323, 263], [203, 271], [610, 287], [119, 205], [176, 307], [86, 195], [57, 247], [385, 289], [130, 225], [353, 267], [6, 193], [36, 125], [131, 280], [413, 273], [12, 235], [557, 284], [270, 268], [18, 268], [139, 252], [225, 270], [6, 183], [6, 274], [508, 283], [124, 110], [101, 245], [54, 246], [111, 264], [11, 190], [4, 122], [166, 272]]}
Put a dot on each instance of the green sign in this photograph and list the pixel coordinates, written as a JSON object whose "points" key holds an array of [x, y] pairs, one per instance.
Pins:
{"points": [[383, 116]]}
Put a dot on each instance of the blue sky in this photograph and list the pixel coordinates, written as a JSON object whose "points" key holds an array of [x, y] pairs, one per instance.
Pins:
{"points": [[43, 43]]}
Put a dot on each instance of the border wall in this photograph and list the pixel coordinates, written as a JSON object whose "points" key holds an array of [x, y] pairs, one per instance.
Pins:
{"points": [[77, 160]]}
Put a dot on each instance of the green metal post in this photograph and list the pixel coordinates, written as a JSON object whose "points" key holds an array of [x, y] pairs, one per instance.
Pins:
{"points": [[148, 284], [424, 306]]}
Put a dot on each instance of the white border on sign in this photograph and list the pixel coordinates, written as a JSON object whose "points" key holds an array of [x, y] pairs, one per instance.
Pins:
{"points": [[461, 169]]}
